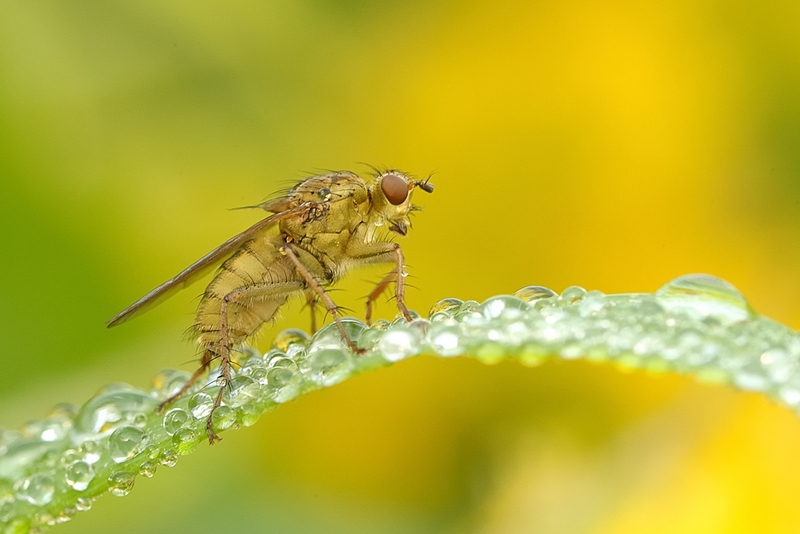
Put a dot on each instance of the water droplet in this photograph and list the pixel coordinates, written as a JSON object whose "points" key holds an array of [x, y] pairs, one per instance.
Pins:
{"points": [[121, 483], [223, 418], [400, 342], [55, 427], [185, 441], [66, 515], [37, 489], [79, 475], [445, 340], [241, 390], [148, 468], [328, 366], [592, 303], [573, 294], [503, 306], [169, 381], [290, 337], [91, 451], [707, 295], [83, 504], [168, 457], [447, 306], [200, 404], [329, 337], [282, 384], [125, 443], [532, 293], [110, 409], [779, 364], [175, 420]]}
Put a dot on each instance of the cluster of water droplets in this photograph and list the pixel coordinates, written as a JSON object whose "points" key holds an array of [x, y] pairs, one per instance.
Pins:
{"points": [[700, 325]]}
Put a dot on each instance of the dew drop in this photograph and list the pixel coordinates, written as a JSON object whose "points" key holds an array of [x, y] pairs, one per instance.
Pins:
{"points": [[185, 441], [200, 404], [290, 337], [121, 483], [66, 515], [175, 420], [503, 306], [90, 451], [328, 366], [125, 443], [36, 489], [83, 504], [573, 294], [446, 306], [445, 340], [241, 390], [112, 408], [531, 293], [168, 457], [79, 475], [706, 294], [223, 418], [399, 343], [148, 468]]}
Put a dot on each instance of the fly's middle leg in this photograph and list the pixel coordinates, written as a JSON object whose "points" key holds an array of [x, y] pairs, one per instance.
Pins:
{"points": [[322, 295]]}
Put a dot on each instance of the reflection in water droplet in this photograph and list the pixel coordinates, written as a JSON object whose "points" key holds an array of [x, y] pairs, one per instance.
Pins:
{"points": [[83, 504], [327, 366], [36, 489], [223, 418], [706, 295], [532, 293], [79, 475], [175, 419], [290, 337], [66, 515], [121, 483], [573, 294], [148, 468], [446, 306], [91, 451], [106, 411], [168, 458], [399, 343], [200, 405], [445, 340], [125, 443], [241, 390], [184, 441], [503, 306]]}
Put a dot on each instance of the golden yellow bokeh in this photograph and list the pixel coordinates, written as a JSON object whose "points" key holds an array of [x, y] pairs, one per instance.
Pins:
{"points": [[612, 144]]}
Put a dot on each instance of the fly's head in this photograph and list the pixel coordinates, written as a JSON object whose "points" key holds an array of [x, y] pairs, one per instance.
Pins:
{"points": [[391, 199]]}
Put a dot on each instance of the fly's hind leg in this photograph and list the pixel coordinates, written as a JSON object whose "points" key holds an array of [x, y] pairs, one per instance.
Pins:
{"points": [[312, 306], [205, 362], [261, 292]]}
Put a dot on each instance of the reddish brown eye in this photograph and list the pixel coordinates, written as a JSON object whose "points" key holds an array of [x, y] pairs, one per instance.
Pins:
{"points": [[394, 188]]}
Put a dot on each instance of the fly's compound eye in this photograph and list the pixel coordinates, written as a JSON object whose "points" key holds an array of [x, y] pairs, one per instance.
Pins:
{"points": [[395, 189]]}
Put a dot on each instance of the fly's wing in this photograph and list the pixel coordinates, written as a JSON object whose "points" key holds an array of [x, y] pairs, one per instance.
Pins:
{"points": [[203, 265]]}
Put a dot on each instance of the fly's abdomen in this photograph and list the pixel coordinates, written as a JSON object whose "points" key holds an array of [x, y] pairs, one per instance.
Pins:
{"points": [[249, 288]]}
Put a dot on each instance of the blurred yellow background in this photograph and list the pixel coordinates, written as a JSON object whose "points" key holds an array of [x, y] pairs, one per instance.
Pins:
{"points": [[609, 144]]}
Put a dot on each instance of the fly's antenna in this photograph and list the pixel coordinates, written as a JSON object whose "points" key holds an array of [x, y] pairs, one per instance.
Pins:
{"points": [[425, 185]]}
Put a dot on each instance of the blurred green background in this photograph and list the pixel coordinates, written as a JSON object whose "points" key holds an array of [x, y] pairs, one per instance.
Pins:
{"points": [[608, 144]]}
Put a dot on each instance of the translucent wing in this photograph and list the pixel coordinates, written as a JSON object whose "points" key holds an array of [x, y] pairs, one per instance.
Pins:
{"points": [[203, 266]]}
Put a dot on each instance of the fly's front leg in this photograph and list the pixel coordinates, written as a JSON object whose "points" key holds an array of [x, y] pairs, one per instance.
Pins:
{"points": [[321, 294], [383, 253]]}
